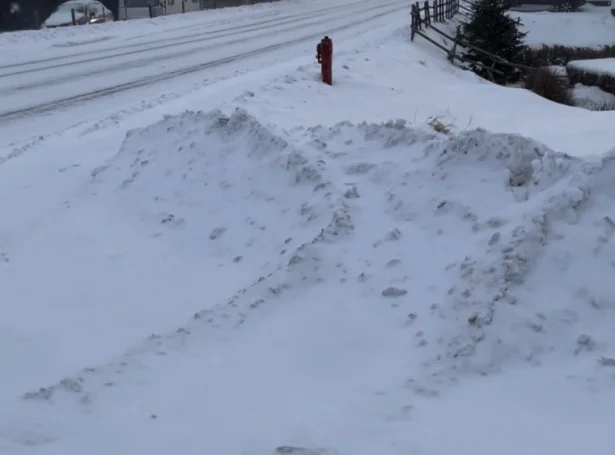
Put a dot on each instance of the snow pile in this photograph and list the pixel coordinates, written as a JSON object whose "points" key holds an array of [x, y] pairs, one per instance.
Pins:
{"points": [[224, 188], [211, 176], [485, 250], [387, 261], [536, 289], [517, 237]]}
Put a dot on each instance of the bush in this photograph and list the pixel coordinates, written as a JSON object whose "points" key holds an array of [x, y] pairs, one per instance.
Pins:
{"points": [[602, 106], [561, 55], [547, 83]]}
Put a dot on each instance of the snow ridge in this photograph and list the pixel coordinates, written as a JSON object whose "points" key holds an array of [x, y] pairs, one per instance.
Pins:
{"points": [[179, 180], [502, 321], [483, 251]]}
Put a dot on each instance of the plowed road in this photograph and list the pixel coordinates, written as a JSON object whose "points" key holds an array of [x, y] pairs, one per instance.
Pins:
{"points": [[102, 69]]}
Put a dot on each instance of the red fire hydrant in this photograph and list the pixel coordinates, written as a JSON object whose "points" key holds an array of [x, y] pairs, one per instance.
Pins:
{"points": [[324, 56]]}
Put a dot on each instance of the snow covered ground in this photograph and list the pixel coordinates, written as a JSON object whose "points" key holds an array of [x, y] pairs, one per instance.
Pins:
{"points": [[287, 268], [592, 26], [181, 60], [592, 98]]}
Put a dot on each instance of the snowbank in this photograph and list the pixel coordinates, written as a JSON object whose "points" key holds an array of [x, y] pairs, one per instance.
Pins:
{"points": [[387, 261], [183, 216]]}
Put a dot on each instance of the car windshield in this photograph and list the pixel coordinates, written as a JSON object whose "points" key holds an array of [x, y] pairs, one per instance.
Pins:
{"points": [[78, 7]]}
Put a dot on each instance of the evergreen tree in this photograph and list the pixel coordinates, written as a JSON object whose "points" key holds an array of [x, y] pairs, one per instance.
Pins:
{"points": [[492, 30]]}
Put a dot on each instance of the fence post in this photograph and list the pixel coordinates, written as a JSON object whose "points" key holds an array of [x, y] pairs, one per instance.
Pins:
{"points": [[324, 56], [452, 54], [72, 15], [427, 16], [413, 21]]}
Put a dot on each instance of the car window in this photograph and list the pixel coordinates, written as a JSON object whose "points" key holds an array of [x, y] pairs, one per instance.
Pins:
{"points": [[93, 9], [78, 7]]}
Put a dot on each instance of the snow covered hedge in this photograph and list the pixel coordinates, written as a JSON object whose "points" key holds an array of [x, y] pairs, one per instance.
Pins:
{"points": [[547, 55], [598, 73]]}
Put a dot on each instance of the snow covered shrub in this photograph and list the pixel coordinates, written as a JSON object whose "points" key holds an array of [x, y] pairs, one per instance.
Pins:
{"points": [[602, 106], [578, 75]]}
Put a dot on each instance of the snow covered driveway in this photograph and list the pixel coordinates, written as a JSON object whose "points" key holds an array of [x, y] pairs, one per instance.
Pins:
{"points": [[108, 68]]}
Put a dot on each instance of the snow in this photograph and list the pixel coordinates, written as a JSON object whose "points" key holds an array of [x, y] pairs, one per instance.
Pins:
{"points": [[603, 66], [592, 97], [177, 65], [15, 45], [330, 218], [592, 26], [62, 18], [419, 86], [262, 264]]}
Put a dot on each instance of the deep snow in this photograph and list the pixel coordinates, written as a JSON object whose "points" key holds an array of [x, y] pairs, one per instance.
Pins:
{"points": [[287, 268], [386, 263]]}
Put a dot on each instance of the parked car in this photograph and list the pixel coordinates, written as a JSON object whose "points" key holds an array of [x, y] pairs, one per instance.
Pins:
{"points": [[78, 12]]}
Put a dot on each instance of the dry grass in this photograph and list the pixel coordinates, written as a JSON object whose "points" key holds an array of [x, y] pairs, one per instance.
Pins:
{"points": [[602, 106], [547, 83], [438, 126]]}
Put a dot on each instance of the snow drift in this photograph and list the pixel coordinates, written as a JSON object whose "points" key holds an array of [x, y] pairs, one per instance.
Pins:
{"points": [[385, 258]]}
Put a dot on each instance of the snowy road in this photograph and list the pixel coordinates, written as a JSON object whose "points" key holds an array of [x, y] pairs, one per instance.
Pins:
{"points": [[107, 68]]}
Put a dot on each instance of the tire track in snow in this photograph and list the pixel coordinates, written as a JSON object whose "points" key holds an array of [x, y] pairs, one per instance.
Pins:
{"points": [[175, 54], [182, 40], [180, 32]]}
